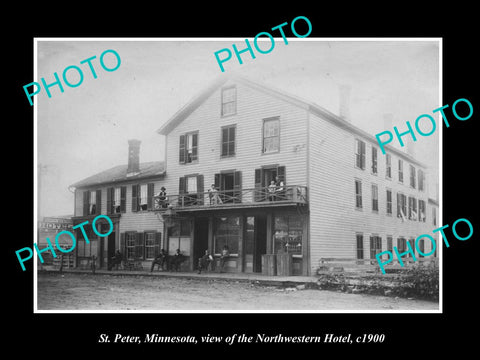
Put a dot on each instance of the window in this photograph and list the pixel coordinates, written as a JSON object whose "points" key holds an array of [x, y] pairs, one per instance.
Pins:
{"points": [[412, 246], [180, 237], [412, 176], [188, 151], [389, 243], [358, 194], [421, 247], [421, 180], [92, 202], [130, 242], [140, 245], [227, 232], [374, 197], [400, 170], [421, 210], [389, 202], [359, 154], [230, 186], [142, 197], [271, 135], [288, 234], [191, 184], [412, 208], [401, 206], [434, 216], [401, 245], [229, 101], [149, 245], [116, 200], [375, 246], [359, 239], [388, 160], [374, 160], [228, 141]]}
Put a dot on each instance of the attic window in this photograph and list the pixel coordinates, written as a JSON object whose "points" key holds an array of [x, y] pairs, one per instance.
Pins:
{"points": [[229, 101]]}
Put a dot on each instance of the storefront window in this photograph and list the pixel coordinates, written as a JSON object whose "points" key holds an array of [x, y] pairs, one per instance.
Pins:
{"points": [[179, 237], [288, 232], [227, 232]]}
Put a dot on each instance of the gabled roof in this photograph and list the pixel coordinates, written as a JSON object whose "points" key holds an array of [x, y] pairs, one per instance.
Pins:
{"points": [[312, 107], [119, 174]]}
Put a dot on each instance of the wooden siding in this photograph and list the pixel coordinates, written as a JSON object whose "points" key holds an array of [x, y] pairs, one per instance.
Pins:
{"points": [[334, 219], [252, 107]]}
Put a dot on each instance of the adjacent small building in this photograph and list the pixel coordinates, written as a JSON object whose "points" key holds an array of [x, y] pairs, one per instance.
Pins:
{"points": [[124, 193]]}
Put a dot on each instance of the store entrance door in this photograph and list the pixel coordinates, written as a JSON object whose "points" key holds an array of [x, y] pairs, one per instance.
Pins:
{"points": [[255, 242]]}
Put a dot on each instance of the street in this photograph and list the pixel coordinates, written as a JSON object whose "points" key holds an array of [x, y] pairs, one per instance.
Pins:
{"points": [[72, 291]]}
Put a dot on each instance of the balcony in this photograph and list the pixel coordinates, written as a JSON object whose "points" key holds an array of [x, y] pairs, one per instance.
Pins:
{"points": [[238, 198]]}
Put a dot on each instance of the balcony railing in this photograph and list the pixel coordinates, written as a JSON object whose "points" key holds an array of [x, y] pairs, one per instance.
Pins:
{"points": [[291, 194]]}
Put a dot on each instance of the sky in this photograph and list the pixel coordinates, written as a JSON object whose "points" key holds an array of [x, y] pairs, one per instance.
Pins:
{"points": [[85, 129]]}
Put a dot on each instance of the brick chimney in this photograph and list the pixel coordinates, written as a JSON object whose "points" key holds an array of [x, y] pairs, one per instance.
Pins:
{"points": [[133, 157], [344, 101]]}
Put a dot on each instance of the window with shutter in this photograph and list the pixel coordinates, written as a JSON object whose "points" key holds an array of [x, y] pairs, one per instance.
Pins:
{"points": [[135, 197], [358, 194], [86, 205], [200, 189], [389, 202], [158, 242], [110, 197], [188, 148], [139, 246], [359, 246], [123, 199], [388, 163], [181, 151], [412, 176], [98, 201], [400, 170], [360, 154], [374, 160], [150, 189], [259, 194], [237, 186], [375, 197]]}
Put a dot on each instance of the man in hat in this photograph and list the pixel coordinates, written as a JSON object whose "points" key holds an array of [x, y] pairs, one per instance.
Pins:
{"points": [[162, 198]]}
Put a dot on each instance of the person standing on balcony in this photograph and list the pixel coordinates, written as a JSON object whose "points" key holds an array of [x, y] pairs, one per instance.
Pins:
{"points": [[272, 188], [279, 189], [162, 198], [213, 195]]}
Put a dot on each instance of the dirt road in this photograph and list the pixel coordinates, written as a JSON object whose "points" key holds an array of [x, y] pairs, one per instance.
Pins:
{"points": [[106, 292]]}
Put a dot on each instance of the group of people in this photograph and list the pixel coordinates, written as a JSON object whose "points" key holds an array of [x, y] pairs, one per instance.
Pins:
{"points": [[276, 190], [207, 261], [168, 262], [172, 262]]}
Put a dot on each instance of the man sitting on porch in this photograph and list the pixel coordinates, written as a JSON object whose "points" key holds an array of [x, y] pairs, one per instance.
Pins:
{"points": [[206, 262], [223, 257], [176, 260], [160, 260], [116, 260]]}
